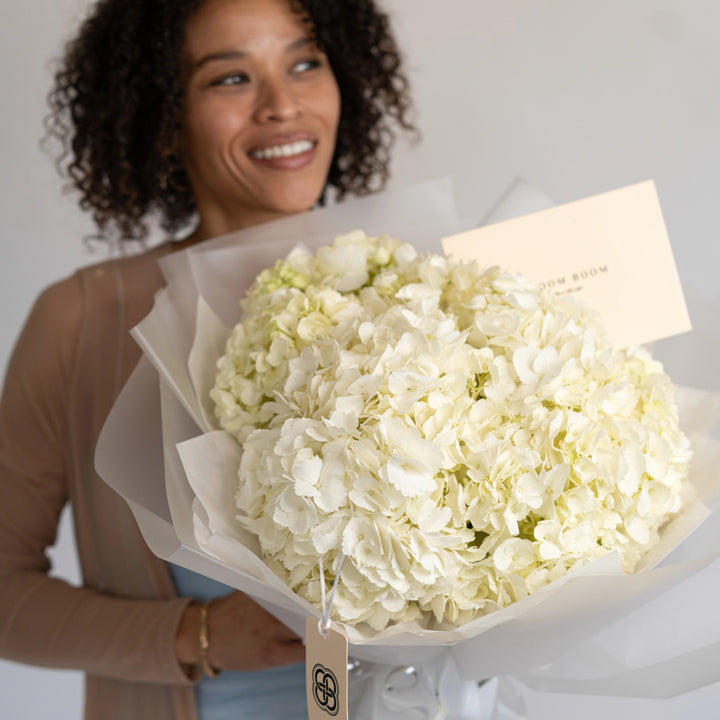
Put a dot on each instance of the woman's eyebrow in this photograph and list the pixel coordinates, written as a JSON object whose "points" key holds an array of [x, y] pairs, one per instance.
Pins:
{"points": [[240, 54], [219, 56]]}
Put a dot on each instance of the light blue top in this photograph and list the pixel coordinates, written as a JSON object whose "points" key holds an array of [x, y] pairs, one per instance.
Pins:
{"points": [[275, 694]]}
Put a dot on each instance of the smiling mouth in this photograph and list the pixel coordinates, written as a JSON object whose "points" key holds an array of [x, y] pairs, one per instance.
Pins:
{"points": [[283, 151]]}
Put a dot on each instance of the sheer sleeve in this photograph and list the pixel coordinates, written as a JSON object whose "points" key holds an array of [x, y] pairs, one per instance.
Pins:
{"points": [[43, 620]]}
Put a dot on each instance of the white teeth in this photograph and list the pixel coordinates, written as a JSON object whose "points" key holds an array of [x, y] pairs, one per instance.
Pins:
{"points": [[278, 151]]}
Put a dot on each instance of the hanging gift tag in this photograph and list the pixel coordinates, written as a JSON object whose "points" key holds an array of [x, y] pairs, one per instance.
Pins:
{"points": [[326, 673]]}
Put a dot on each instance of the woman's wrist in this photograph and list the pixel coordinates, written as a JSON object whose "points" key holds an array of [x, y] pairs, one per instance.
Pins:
{"points": [[192, 640], [187, 638]]}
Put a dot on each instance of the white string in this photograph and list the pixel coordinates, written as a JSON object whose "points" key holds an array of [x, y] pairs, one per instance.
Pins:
{"points": [[324, 622], [322, 588]]}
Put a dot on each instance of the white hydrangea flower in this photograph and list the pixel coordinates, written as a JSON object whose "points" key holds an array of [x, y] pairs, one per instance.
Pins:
{"points": [[461, 438]]}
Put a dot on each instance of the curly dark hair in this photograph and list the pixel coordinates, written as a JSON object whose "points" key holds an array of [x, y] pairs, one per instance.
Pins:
{"points": [[117, 100]]}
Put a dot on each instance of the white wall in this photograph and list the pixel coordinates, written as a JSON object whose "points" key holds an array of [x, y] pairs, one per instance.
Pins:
{"points": [[577, 97]]}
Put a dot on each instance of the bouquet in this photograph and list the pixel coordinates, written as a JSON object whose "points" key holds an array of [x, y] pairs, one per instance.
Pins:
{"points": [[459, 438], [536, 394]]}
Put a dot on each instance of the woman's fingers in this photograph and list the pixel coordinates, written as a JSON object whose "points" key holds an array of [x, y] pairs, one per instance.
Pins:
{"points": [[285, 653], [244, 636]]}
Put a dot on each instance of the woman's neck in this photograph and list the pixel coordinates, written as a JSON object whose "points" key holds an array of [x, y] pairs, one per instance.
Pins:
{"points": [[206, 229]]}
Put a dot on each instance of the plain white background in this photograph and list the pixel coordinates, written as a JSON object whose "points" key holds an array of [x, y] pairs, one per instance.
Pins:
{"points": [[577, 97]]}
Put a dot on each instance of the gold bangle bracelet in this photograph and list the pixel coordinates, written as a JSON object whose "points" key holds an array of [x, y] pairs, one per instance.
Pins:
{"points": [[207, 668]]}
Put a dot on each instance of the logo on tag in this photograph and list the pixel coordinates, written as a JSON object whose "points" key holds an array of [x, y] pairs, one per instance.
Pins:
{"points": [[325, 689]]}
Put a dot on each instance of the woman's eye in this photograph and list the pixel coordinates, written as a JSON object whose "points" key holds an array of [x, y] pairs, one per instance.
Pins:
{"points": [[305, 65], [233, 79]]}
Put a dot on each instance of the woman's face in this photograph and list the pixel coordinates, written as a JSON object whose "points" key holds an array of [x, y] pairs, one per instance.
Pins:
{"points": [[260, 114]]}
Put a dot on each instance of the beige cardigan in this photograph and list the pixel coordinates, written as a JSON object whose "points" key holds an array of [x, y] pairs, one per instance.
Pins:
{"points": [[69, 364]]}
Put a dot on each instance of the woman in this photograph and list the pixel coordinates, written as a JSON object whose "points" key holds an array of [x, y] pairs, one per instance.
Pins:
{"points": [[215, 115]]}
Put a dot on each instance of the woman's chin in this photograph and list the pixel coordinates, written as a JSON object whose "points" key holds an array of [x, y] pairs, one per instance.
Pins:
{"points": [[296, 202]]}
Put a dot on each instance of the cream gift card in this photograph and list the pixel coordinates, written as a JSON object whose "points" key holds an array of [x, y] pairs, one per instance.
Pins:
{"points": [[611, 251]]}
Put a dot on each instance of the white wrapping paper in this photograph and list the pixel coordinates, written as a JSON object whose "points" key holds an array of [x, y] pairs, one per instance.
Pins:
{"points": [[189, 519]]}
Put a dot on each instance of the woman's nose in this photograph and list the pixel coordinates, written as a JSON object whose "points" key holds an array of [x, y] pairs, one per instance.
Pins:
{"points": [[276, 102]]}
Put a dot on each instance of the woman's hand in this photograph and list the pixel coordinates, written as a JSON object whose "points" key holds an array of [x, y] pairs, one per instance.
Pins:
{"points": [[242, 636]]}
